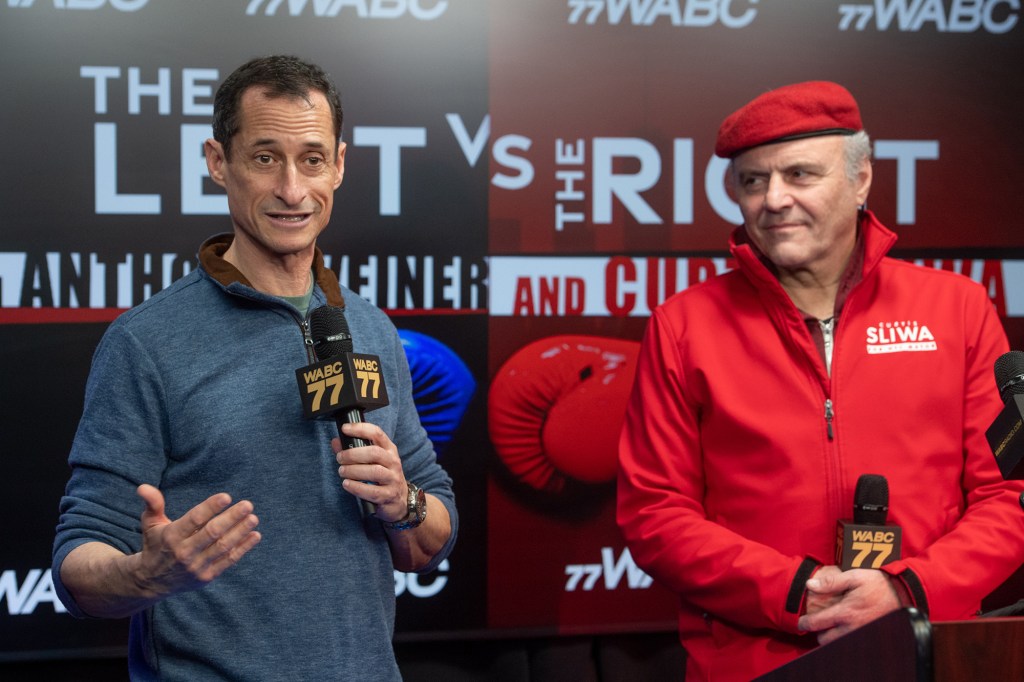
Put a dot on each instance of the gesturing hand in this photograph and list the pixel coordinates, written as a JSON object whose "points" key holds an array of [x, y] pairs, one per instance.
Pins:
{"points": [[190, 552]]}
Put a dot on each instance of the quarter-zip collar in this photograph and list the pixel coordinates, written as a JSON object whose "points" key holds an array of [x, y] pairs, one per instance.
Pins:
{"points": [[211, 258]]}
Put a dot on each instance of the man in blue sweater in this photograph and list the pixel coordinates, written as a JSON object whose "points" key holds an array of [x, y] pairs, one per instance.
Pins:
{"points": [[192, 404]]}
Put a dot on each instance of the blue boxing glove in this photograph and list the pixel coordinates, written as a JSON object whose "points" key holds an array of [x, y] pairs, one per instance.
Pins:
{"points": [[442, 385]]}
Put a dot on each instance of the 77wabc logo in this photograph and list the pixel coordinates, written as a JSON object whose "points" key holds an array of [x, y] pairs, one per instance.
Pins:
{"points": [[122, 5], [585, 576]]}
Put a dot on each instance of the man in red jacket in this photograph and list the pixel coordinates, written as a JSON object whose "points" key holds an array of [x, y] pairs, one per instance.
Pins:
{"points": [[762, 395]]}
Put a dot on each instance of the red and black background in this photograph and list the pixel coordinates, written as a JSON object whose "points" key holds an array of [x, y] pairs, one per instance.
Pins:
{"points": [[551, 159]]}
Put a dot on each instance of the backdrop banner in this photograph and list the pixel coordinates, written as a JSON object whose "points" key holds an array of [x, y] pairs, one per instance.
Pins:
{"points": [[526, 181]]}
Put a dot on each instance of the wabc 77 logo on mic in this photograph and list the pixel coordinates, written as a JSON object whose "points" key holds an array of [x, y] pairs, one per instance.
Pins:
{"points": [[351, 380], [866, 546]]}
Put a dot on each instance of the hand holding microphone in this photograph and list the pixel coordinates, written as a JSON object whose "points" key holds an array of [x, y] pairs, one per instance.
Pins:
{"points": [[841, 601], [843, 597], [342, 384]]}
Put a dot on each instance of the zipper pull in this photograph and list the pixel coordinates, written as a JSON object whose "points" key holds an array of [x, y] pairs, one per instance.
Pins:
{"points": [[307, 339], [828, 416]]}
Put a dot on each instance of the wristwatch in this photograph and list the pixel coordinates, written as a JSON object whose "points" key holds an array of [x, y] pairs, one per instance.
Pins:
{"points": [[417, 502]]}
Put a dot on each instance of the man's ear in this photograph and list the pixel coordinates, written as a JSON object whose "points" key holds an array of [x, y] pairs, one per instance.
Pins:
{"points": [[215, 160], [730, 182], [864, 182], [339, 164]]}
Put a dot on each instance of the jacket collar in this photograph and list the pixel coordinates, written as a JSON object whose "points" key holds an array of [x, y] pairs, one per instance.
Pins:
{"points": [[211, 258]]}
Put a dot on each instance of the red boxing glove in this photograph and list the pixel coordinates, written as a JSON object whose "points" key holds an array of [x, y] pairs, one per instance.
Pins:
{"points": [[556, 407]]}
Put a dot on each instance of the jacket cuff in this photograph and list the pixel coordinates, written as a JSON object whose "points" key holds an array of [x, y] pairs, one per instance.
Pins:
{"points": [[798, 588], [909, 588]]}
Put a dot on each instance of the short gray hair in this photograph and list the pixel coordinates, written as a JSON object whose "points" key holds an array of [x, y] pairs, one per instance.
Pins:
{"points": [[856, 150]]}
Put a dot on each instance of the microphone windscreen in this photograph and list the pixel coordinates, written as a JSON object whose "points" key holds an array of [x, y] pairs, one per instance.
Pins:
{"points": [[871, 500], [1009, 369], [329, 329]]}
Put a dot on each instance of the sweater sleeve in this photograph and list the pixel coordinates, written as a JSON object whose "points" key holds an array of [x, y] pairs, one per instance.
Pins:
{"points": [[660, 504], [950, 577], [419, 460], [119, 444]]}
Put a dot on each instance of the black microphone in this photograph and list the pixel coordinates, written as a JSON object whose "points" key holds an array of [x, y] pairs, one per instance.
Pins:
{"points": [[342, 384], [867, 542], [1009, 370], [1004, 435]]}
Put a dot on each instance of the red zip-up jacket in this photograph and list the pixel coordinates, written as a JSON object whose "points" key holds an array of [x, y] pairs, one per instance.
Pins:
{"points": [[739, 452]]}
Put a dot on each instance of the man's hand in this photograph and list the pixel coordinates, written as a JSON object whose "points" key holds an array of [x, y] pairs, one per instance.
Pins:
{"points": [[819, 601], [841, 601], [176, 556], [190, 552], [374, 472], [381, 465]]}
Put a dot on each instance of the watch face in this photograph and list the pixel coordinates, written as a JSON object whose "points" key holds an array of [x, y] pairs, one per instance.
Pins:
{"points": [[417, 504], [419, 507]]}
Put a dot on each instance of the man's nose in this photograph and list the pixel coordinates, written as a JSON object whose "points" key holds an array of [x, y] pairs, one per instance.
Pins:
{"points": [[777, 196], [289, 186]]}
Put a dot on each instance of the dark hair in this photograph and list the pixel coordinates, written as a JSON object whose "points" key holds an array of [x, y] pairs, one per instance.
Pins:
{"points": [[281, 76]]}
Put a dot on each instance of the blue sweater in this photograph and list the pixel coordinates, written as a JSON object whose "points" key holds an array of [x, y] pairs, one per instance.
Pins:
{"points": [[194, 391]]}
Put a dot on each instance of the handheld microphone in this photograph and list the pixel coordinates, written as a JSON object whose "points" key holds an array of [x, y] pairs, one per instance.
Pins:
{"points": [[867, 542], [342, 384], [1004, 435]]}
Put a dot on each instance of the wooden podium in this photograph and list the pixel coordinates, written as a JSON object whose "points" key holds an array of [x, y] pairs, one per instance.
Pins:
{"points": [[905, 646]]}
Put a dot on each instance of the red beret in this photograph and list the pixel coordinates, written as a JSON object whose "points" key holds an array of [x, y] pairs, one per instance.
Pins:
{"points": [[788, 113]]}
